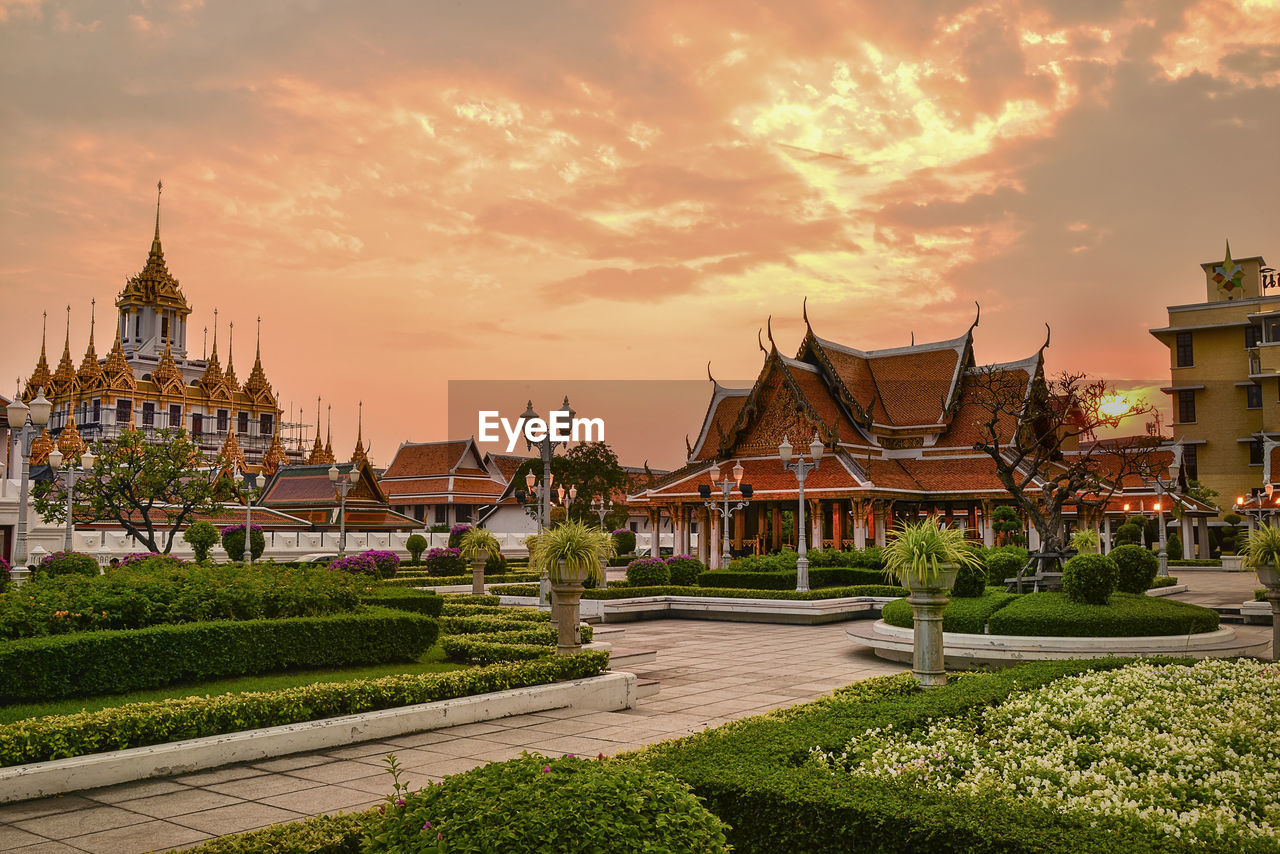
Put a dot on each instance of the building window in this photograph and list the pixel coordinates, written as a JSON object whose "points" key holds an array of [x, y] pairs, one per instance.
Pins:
{"points": [[1255, 452], [242, 422], [97, 411], [1253, 396], [148, 414], [197, 425], [1186, 407], [1185, 355], [223, 417], [124, 409], [175, 415], [164, 328], [442, 514], [463, 513], [265, 423], [1190, 464], [1252, 336]]}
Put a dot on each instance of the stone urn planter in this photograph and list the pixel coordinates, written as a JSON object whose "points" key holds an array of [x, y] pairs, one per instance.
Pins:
{"points": [[1232, 563], [566, 597], [1269, 575], [927, 600]]}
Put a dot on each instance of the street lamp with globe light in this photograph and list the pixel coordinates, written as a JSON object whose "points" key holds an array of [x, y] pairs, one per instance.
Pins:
{"points": [[801, 469], [343, 483], [70, 474], [26, 424]]}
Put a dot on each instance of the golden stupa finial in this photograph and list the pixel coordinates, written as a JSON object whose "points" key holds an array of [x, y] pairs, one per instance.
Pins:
{"points": [[41, 377], [159, 189], [360, 454], [230, 373], [64, 378], [317, 450], [328, 439], [90, 371]]}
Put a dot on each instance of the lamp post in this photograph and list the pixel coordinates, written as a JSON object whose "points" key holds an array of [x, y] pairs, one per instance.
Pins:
{"points": [[26, 423], [1162, 492], [567, 499], [343, 484], [722, 504], [546, 449], [801, 469], [252, 489], [70, 473], [603, 506]]}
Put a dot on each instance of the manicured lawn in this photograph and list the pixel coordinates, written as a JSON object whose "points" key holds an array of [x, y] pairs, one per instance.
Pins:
{"points": [[432, 661]]}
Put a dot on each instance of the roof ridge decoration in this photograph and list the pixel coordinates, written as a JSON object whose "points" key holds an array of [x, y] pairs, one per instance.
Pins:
{"points": [[212, 381], [166, 376], [69, 441], [275, 458], [41, 377], [749, 414], [859, 414], [117, 373], [64, 380], [229, 375], [361, 453], [329, 458], [231, 455], [90, 373], [154, 286], [257, 386], [40, 448]]}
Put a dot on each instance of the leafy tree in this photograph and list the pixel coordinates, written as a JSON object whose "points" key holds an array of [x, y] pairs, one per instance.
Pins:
{"points": [[594, 469], [1006, 524], [416, 545], [151, 489], [201, 536]]}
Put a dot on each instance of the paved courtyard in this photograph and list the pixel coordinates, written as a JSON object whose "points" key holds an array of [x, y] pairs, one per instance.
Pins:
{"points": [[710, 672]]}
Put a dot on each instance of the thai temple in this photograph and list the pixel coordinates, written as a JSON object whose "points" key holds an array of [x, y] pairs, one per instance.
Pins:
{"points": [[149, 381]]}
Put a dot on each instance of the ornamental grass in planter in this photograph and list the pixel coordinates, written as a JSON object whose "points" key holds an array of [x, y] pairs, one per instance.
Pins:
{"points": [[569, 555], [926, 558], [478, 546], [1262, 552]]}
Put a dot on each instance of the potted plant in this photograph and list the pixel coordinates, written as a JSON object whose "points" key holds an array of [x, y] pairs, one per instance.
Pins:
{"points": [[477, 546], [569, 555], [1262, 552], [926, 558]]}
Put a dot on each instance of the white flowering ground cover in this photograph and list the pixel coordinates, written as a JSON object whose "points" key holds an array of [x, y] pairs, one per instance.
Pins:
{"points": [[1185, 751]]}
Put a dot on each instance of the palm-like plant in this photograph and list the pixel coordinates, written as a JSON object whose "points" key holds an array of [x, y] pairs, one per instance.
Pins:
{"points": [[570, 551], [919, 550], [1263, 547], [478, 544], [1085, 542]]}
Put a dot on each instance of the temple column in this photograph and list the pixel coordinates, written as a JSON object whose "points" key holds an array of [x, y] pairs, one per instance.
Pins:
{"points": [[1033, 538], [776, 543], [1105, 544], [685, 540], [1202, 547], [859, 525], [837, 524], [713, 539], [704, 554], [816, 522], [1188, 536], [739, 529], [879, 510]]}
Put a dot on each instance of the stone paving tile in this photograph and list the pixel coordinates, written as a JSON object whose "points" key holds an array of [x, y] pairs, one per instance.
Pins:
{"points": [[48, 847], [337, 772], [256, 788], [147, 836], [218, 775], [290, 763], [359, 751], [80, 821], [236, 818], [14, 813], [130, 791], [321, 799], [178, 803], [13, 837]]}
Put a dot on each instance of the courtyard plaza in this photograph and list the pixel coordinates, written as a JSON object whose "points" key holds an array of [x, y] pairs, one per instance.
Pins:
{"points": [[709, 672]]}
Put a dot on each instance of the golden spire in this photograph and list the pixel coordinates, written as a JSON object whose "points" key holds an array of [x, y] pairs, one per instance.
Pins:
{"points": [[69, 441], [154, 286], [116, 372], [229, 375], [90, 373], [257, 386], [231, 455], [328, 440], [166, 376], [317, 452], [275, 456], [40, 377], [64, 378], [360, 454], [41, 447], [212, 380]]}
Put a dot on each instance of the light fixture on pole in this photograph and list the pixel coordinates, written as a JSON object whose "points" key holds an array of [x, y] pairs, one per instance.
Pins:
{"points": [[567, 498], [70, 475], [26, 422], [721, 504], [252, 489], [603, 506], [343, 483], [801, 469], [1162, 492], [546, 449]]}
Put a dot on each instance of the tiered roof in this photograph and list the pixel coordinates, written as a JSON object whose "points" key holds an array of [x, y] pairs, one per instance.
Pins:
{"points": [[307, 493], [154, 285], [453, 472]]}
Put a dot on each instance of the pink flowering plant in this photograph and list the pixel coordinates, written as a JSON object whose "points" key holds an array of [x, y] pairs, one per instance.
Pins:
{"points": [[444, 562], [387, 563], [361, 564]]}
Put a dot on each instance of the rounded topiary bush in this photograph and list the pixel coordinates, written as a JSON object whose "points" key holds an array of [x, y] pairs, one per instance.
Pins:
{"points": [[1136, 568], [1002, 565], [415, 546], [201, 536], [1089, 579], [624, 541], [685, 570], [1128, 533], [361, 564], [233, 542], [568, 805], [648, 572], [495, 565], [68, 563], [971, 581], [455, 535]]}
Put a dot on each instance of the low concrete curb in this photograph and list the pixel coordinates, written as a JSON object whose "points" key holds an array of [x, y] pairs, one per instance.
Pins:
{"points": [[895, 643], [787, 611], [1167, 591], [1256, 612], [608, 692]]}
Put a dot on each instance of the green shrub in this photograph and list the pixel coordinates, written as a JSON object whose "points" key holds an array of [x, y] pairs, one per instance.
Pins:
{"points": [[567, 805], [139, 724], [153, 592], [495, 565], [67, 563], [1135, 568], [1126, 615], [968, 615], [404, 599], [624, 541], [1002, 565], [416, 545], [1128, 534], [115, 662], [322, 834], [201, 536], [627, 592], [482, 624], [471, 599], [447, 562], [777, 562], [1260, 595], [477, 649], [648, 572], [685, 570], [1089, 579], [971, 581], [1166, 581], [823, 576], [524, 615], [1196, 562], [1173, 547], [233, 541]]}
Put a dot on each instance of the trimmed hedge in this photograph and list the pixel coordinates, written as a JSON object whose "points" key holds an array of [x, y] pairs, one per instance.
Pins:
{"points": [[754, 776], [404, 599], [323, 834], [471, 598], [825, 576], [472, 649], [1196, 562], [139, 724], [1126, 615], [1136, 568], [510, 613], [1166, 581], [965, 614], [621, 592], [115, 662], [402, 580]]}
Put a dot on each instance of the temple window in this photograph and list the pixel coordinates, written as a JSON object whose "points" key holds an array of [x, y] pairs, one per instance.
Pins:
{"points": [[223, 418], [265, 424], [242, 422], [148, 414], [175, 415], [197, 425]]}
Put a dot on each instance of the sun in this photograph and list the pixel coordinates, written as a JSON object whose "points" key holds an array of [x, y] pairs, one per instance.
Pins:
{"points": [[1115, 406]]}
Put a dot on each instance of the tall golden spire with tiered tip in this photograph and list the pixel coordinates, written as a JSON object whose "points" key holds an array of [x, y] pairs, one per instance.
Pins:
{"points": [[64, 382], [154, 286], [317, 451], [166, 376], [329, 458], [212, 381], [117, 375], [229, 375], [40, 448], [69, 441], [231, 455], [275, 456], [361, 453], [257, 387], [41, 377], [90, 373]]}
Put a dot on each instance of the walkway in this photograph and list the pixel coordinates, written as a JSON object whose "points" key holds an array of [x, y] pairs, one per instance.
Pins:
{"points": [[710, 672]]}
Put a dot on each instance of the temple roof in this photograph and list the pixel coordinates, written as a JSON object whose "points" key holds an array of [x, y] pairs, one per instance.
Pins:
{"points": [[154, 286], [90, 373], [445, 472], [41, 377]]}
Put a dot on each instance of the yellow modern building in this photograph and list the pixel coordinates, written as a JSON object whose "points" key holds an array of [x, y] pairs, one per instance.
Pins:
{"points": [[1224, 359]]}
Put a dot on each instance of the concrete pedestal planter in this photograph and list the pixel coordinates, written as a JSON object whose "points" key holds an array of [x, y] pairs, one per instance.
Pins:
{"points": [[477, 577], [927, 601], [1270, 578], [1232, 563], [566, 595]]}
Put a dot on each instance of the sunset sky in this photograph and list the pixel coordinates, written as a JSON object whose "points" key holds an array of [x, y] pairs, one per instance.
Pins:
{"points": [[414, 192]]}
